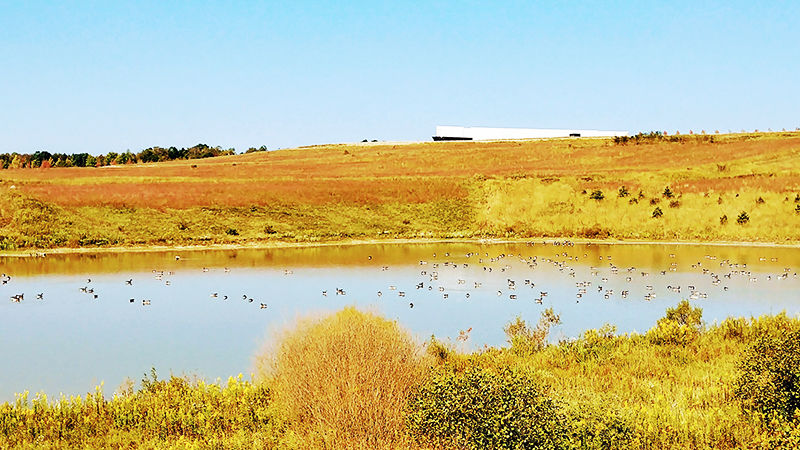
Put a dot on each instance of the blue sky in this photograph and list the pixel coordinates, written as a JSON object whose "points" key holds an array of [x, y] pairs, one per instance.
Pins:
{"points": [[109, 76]]}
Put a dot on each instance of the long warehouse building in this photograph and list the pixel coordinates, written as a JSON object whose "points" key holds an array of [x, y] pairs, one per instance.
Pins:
{"points": [[451, 133]]}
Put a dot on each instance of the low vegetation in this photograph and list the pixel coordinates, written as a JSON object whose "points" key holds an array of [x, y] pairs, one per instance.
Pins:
{"points": [[343, 380], [176, 413], [543, 188], [354, 380]]}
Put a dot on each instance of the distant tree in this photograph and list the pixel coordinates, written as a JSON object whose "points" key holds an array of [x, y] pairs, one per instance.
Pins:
{"points": [[200, 151], [79, 159], [39, 156], [263, 148], [148, 155], [25, 160], [162, 154], [174, 153], [126, 158], [16, 162]]}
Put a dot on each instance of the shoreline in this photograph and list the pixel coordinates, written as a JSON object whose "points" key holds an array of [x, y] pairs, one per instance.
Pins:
{"points": [[266, 245]]}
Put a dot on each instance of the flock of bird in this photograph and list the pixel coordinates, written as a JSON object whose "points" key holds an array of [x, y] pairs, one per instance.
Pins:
{"points": [[484, 268], [566, 262]]}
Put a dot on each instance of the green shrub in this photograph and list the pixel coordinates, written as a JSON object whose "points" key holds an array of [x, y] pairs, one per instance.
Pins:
{"points": [[597, 194], [593, 344], [743, 218], [769, 380], [623, 192], [657, 213], [480, 408], [680, 326], [773, 326], [734, 328], [599, 427], [668, 193], [778, 434], [525, 340], [723, 220]]}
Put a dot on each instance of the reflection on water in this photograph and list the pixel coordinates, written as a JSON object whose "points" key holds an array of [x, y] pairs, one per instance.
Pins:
{"points": [[104, 317]]}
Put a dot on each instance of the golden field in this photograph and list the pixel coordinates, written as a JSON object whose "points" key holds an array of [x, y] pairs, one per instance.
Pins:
{"points": [[508, 189]]}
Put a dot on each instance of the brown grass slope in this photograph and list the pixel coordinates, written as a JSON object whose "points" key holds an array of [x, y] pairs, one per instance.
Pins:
{"points": [[538, 188]]}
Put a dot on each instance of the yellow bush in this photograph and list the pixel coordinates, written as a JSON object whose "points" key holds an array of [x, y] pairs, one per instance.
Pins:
{"points": [[344, 380], [680, 326]]}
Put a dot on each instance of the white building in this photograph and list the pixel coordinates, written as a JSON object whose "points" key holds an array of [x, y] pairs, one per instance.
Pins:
{"points": [[450, 133]]}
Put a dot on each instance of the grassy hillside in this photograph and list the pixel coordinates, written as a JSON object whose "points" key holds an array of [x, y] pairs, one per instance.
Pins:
{"points": [[516, 189]]}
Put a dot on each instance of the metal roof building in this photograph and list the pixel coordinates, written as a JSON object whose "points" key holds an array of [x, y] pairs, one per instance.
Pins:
{"points": [[452, 133]]}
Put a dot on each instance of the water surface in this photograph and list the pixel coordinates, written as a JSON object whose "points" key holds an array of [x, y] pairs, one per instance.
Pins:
{"points": [[205, 317]]}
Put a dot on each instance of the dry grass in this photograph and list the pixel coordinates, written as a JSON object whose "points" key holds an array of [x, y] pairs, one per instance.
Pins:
{"points": [[344, 380], [435, 190], [411, 172], [182, 195]]}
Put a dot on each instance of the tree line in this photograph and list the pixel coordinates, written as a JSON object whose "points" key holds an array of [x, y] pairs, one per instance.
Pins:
{"points": [[45, 159]]}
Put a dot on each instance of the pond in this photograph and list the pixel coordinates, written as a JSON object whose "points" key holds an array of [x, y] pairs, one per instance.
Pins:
{"points": [[108, 316]]}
